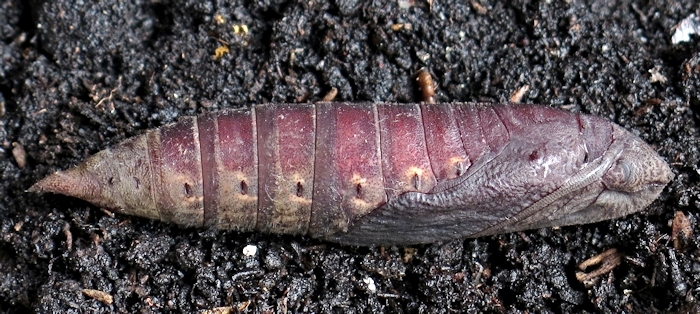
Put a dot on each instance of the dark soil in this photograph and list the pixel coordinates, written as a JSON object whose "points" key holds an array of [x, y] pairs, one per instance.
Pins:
{"points": [[79, 76]]}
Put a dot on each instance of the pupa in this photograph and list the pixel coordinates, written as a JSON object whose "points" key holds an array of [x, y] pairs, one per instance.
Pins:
{"points": [[375, 173]]}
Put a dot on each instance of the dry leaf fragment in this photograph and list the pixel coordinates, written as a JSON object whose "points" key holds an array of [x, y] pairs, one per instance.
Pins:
{"points": [[330, 95], [220, 52], [518, 94], [606, 262], [480, 9], [219, 310], [681, 231], [98, 295]]}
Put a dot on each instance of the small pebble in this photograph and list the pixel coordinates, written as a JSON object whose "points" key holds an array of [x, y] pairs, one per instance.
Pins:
{"points": [[250, 250], [370, 284], [20, 155]]}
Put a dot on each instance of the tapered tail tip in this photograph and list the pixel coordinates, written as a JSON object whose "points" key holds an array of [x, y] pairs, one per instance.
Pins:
{"points": [[72, 183]]}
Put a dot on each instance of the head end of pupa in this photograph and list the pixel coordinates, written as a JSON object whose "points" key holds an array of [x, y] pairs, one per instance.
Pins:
{"points": [[634, 175], [637, 177]]}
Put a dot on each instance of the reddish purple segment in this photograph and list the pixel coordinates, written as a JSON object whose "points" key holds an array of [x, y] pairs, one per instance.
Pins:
{"points": [[230, 169], [470, 127], [348, 171], [444, 142], [286, 134], [156, 161], [210, 176], [179, 147], [405, 162], [494, 132]]}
